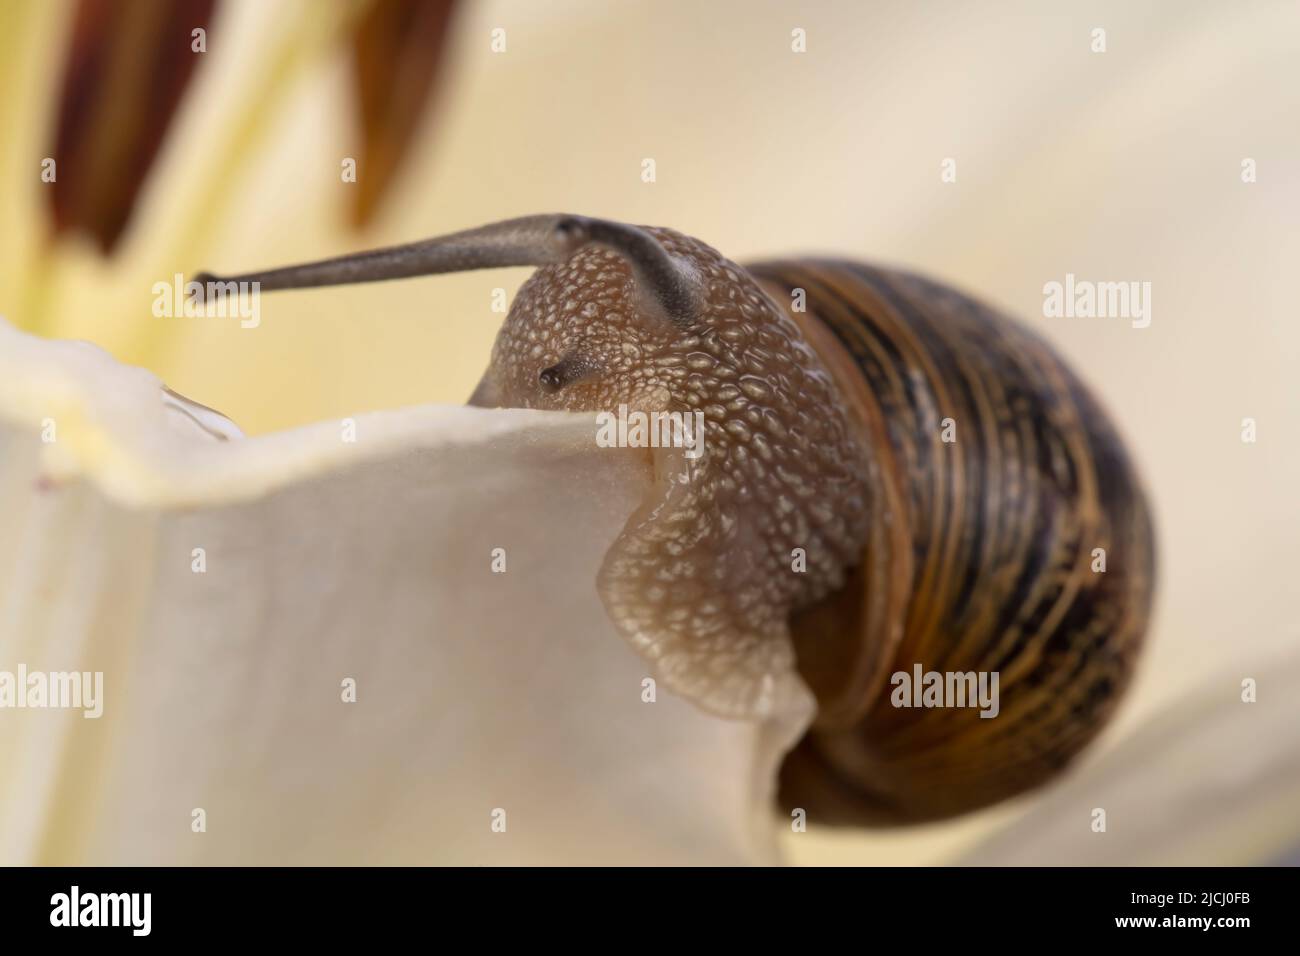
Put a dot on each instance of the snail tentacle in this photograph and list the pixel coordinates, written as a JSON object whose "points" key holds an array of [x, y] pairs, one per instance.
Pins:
{"points": [[527, 241]]}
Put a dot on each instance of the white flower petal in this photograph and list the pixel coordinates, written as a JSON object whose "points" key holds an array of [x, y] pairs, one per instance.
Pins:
{"points": [[327, 560], [1212, 778]]}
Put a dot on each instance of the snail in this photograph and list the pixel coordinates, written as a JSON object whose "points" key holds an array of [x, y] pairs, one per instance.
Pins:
{"points": [[894, 476]]}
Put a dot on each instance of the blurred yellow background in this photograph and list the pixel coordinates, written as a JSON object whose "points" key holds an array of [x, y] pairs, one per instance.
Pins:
{"points": [[1117, 166]]}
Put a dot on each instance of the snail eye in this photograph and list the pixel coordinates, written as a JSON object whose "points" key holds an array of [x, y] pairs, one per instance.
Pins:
{"points": [[564, 372], [551, 379]]}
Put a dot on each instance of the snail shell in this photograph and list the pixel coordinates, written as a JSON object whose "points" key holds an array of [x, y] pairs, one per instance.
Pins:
{"points": [[983, 553], [824, 437]]}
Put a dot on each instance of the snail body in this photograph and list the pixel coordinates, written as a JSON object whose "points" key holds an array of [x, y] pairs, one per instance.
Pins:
{"points": [[832, 533]]}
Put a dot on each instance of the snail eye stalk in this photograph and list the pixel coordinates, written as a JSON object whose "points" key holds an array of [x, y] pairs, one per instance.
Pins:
{"points": [[527, 241]]}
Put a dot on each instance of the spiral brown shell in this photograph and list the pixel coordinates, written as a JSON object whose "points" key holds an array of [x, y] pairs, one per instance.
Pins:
{"points": [[981, 558]]}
